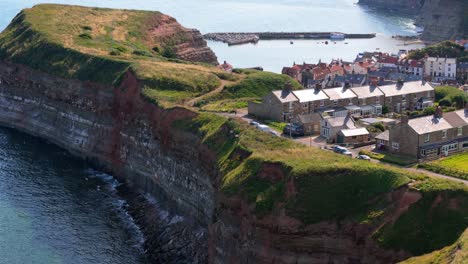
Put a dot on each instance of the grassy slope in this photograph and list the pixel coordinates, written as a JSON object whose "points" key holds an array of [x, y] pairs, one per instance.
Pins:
{"points": [[330, 186], [456, 166], [453, 254], [77, 42], [253, 86]]}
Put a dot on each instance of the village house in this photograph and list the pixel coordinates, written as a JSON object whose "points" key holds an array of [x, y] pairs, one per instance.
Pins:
{"points": [[352, 80], [404, 96], [440, 69], [311, 99], [330, 126], [413, 67], [310, 122], [353, 136], [462, 70], [428, 137], [388, 61], [341, 96], [370, 99], [277, 105]]}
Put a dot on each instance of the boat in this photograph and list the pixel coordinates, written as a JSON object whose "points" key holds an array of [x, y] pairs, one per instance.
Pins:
{"points": [[291, 42], [419, 29], [346, 43], [326, 42], [339, 36]]}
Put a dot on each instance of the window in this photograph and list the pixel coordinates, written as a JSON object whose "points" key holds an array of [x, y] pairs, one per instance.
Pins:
{"points": [[428, 94], [377, 100], [427, 137], [395, 145], [335, 103], [465, 145], [322, 102], [460, 131], [450, 147], [304, 105], [444, 133]]}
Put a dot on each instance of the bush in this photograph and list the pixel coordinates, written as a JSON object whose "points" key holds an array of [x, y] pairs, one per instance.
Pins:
{"points": [[169, 53], [85, 36], [379, 127], [142, 53], [114, 53], [445, 102], [385, 110], [429, 110], [87, 28]]}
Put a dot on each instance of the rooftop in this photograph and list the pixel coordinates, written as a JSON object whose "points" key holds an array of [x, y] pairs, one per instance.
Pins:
{"points": [[367, 91], [339, 93], [310, 95], [428, 124], [285, 96], [407, 88], [384, 135], [354, 132]]}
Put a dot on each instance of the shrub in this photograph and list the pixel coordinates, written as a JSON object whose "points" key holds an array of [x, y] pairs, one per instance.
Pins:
{"points": [[87, 28], [379, 126], [114, 53], [429, 110], [385, 110], [85, 36], [169, 53], [142, 53], [445, 102], [155, 49]]}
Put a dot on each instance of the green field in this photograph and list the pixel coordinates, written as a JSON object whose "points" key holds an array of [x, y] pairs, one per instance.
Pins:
{"points": [[456, 166]]}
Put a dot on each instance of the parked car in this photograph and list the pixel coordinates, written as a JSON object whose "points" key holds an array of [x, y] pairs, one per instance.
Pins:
{"points": [[339, 149], [254, 123], [363, 157], [294, 130], [268, 129], [347, 153]]}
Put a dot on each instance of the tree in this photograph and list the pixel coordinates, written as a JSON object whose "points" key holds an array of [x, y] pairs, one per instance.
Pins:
{"points": [[445, 102]]}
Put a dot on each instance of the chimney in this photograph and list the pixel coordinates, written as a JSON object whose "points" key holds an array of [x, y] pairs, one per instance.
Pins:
{"points": [[404, 119], [287, 87], [438, 112]]}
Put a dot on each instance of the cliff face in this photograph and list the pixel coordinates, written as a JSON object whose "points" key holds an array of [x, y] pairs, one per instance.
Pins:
{"points": [[441, 19], [188, 44], [406, 6], [117, 130]]}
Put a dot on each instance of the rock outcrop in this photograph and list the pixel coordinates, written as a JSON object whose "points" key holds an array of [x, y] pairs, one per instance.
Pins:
{"points": [[187, 44], [440, 19]]}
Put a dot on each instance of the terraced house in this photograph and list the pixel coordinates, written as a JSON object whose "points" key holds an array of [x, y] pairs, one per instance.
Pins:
{"points": [[408, 96], [358, 101], [429, 137]]}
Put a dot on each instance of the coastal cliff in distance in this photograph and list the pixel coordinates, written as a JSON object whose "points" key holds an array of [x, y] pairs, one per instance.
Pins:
{"points": [[108, 87], [440, 19]]}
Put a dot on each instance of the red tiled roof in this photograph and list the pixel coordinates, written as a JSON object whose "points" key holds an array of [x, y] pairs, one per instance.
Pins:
{"points": [[337, 69], [389, 59]]}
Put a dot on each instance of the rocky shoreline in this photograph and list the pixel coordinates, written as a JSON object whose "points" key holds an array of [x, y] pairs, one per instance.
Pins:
{"points": [[238, 38]]}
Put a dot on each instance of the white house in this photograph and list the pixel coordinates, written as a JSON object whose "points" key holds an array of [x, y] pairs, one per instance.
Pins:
{"points": [[440, 68]]}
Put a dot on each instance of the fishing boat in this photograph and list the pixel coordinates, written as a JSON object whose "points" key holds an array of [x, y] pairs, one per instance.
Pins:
{"points": [[337, 36]]}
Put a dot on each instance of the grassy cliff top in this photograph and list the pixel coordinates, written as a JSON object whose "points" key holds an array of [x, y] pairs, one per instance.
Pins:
{"points": [[99, 45]]}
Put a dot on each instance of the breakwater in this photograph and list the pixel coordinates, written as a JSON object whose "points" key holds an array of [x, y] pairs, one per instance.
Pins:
{"points": [[237, 38]]}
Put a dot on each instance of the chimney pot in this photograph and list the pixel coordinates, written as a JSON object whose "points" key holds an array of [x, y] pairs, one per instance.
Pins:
{"points": [[404, 119]]}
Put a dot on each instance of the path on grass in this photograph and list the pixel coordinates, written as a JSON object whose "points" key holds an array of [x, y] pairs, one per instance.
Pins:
{"points": [[437, 175], [216, 91]]}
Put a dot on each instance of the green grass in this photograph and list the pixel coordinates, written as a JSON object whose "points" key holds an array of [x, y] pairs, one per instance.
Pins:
{"points": [[448, 96], [457, 253], [257, 84], [100, 45], [226, 105], [455, 166], [435, 221], [442, 49], [390, 158], [278, 126]]}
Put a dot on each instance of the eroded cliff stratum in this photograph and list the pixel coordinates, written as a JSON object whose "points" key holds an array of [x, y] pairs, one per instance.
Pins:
{"points": [[441, 19], [110, 86]]}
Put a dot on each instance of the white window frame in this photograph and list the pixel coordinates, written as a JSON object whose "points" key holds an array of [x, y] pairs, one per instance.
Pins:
{"points": [[460, 131], [395, 145], [444, 133], [427, 138], [322, 102]]}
